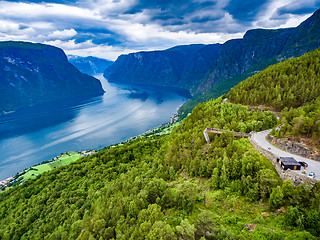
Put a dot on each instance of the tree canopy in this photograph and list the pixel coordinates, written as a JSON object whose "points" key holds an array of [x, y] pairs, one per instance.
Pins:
{"points": [[166, 187]]}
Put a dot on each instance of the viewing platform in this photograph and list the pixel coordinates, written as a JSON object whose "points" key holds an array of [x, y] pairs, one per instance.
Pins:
{"points": [[219, 131]]}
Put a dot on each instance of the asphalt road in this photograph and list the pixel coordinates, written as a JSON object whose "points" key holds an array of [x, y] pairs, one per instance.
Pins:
{"points": [[313, 166]]}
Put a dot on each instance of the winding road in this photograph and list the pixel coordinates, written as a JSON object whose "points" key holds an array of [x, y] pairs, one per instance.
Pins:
{"points": [[260, 139]]}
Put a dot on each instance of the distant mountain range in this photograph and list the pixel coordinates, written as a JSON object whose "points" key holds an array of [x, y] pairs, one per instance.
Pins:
{"points": [[89, 65], [199, 67], [34, 73]]}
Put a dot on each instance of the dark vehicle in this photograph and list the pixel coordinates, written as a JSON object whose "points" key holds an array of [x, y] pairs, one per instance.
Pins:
{"points": [[304, 164], [289, 163]]}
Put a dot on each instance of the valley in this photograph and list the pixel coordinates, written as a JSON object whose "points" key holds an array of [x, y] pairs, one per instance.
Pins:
{"points": [[44, 131], [131, 157]]}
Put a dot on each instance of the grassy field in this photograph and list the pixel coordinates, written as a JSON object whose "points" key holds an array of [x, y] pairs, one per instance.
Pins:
{"points": [[62, 160]]}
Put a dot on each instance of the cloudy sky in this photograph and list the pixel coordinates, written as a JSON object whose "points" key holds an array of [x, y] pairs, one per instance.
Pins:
{"points": [[108, 28]]}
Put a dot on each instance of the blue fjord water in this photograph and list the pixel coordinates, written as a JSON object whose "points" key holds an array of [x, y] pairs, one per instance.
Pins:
{"points": [[39, 133]]}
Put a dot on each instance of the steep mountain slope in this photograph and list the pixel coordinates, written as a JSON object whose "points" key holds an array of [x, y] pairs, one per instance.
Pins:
{"points": [[89, 65], [173, 67], [200, 67], [292, 87], [291, 83], [33, 73]]}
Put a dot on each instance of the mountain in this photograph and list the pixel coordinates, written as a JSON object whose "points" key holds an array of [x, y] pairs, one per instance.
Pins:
{"points": [[89, 65], [292, 83], [292, 87], [198, 68], [34, 73], [179, 66]]}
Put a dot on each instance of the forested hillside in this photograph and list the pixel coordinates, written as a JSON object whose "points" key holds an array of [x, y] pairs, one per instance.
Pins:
{"points": [[292, 87], [168, 187]]}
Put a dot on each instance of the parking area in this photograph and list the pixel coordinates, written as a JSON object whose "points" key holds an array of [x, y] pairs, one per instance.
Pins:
{"points": [[313, 166]]}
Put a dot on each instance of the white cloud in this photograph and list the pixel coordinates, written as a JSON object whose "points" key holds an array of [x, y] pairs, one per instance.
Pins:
{"points": [[34, 11], [294, 21], [89, 49], [101, 51], [70, 44], [76, 28], [269, 18], [155, 35], [110, 7], [8, 26], [64, 34]]}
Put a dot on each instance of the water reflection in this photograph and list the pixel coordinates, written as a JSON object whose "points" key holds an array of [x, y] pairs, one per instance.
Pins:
{"points": [[40, 133]]}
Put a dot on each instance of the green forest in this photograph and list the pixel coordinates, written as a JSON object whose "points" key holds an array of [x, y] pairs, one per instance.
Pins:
{"points": [[173, 186], [292, 88]]}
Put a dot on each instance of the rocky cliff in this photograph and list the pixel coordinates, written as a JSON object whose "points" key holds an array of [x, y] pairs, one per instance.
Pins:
{"points": [[34, 73], [294, 147], [200, 67]]}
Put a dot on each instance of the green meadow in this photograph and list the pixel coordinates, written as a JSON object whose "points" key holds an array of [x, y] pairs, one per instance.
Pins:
{"points": [[64, 159]]}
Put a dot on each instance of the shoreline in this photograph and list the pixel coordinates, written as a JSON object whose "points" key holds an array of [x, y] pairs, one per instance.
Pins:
{"points": [[37, 169], [20, 177], [72, 123]]}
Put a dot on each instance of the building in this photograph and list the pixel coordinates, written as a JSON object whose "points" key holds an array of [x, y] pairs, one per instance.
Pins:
{"points": [[288, 163]]}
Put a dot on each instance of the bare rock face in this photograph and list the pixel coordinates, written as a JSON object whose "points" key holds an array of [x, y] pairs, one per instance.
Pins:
{"points": [[294, 147], [35, 73]]}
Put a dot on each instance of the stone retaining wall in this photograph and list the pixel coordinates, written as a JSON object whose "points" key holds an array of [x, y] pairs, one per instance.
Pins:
{"points": [[293, 147], [296, 178]]}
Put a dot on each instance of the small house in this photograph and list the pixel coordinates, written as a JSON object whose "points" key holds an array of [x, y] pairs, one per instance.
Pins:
{"points": [[289, 162]]}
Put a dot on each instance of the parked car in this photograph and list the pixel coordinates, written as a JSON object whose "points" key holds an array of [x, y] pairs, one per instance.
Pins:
{"points": [[312, 175], [304, 164]]}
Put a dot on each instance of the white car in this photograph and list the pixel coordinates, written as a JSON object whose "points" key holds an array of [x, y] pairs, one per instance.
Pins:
{"points": [[311, 175]]}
